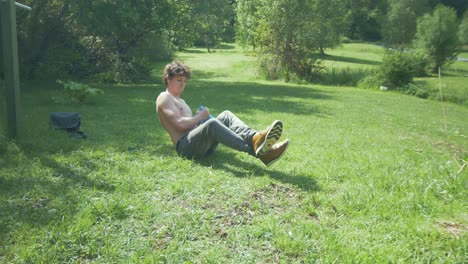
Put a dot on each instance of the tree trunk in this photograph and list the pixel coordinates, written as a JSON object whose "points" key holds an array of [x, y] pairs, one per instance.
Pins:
{"points": [[207, 42]]}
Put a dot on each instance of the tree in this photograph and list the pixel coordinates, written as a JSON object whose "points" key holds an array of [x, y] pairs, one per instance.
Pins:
{"points": [[327, 25], [289, 34], [281, 36], [43, 37], [246, 22], [399, 25], [212, 18], [81, 39], [459, 5], [437, 35], [463, 30], [365, 18], [110, 31], [203, 21]]}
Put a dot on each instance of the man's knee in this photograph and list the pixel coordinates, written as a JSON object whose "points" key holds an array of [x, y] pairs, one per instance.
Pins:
{"points": [[213, 122], [224, 114]]}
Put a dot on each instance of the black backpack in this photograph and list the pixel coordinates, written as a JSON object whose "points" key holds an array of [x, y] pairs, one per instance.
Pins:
{"points": [[67, 121]]}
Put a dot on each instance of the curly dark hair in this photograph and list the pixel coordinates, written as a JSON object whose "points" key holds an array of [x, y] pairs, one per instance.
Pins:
{"points": [[176, 68]]}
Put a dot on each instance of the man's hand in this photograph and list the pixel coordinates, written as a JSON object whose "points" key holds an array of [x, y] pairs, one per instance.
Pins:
{"points": [[203, 114]]}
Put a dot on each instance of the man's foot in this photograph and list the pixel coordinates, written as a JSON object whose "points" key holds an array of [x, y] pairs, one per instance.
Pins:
{"points": [[265, 139], [275, 152]]}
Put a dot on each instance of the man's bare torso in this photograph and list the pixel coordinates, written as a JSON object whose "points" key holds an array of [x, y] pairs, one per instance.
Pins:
{"points": [[171, 111]]}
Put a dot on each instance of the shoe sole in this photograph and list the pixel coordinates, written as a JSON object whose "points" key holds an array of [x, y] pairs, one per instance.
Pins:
{"points": [[284, 151], [273, 134]]}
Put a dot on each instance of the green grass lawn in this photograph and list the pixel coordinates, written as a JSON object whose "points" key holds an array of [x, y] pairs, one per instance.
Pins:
{"points": [[350, 62], [370, 177], [354, 55]]}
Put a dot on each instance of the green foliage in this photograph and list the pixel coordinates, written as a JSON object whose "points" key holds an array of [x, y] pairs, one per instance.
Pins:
{"points": [[399, 25], [110, 40], [437, 35], [85, 39], [58, 62], [416, 90], [326, 27], [372, 81], [396, 69], [202, 22], [79, 92], [421, 62], [343, 76], [463, 30], [291, 33], [365, 19], [247, 22]]}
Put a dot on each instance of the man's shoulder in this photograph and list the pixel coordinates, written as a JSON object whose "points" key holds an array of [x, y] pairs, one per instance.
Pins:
{"points": [[163, 97], [165, 100], [163, 94]]}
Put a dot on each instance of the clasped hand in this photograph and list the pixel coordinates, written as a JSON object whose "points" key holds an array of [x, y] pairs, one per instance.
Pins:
{"points": [[204, 113]]}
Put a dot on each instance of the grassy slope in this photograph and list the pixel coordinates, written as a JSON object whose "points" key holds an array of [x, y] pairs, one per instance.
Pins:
{"points": [[355, 56], [370, 177]]}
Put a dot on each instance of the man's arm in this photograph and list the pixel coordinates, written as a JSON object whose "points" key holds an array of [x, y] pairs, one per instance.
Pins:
{"points": [[178, 119]]}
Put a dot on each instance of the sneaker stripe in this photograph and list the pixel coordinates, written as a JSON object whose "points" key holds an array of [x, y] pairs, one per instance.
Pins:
{"points": [[274, 133]]}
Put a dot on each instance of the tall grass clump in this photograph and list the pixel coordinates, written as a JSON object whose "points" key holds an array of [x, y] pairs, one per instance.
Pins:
{"points": [[344, 76]]}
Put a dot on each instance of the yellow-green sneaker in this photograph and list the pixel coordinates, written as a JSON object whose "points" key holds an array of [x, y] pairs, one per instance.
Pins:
{"points": [[265, 139], [275, 153]]}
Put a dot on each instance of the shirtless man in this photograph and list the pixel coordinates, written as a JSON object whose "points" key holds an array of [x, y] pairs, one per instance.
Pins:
{"points": [[196, 136]]}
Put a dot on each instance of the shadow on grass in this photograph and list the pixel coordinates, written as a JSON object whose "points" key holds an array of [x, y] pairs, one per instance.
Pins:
{"points": [[451, 72], [195, 51], [32, 200], [40, 184], [225, 46], [197, 75], [202, 49], [222, 160], [349, 59], [246, 97]]}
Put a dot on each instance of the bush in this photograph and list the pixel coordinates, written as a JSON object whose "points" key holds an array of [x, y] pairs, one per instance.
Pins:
{"points": [[268, 66], [58, 62], [79, 92], [155, 47], [373, 81], [397, 69], [416, 90], [308, 69], [421, 63]]}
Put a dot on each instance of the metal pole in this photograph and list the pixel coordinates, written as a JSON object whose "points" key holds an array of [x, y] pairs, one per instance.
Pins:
{"points": [[10, 62], [22, 6]]}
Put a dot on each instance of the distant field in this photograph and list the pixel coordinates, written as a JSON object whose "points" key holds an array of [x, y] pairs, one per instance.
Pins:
{"points": [[355, 56]]}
